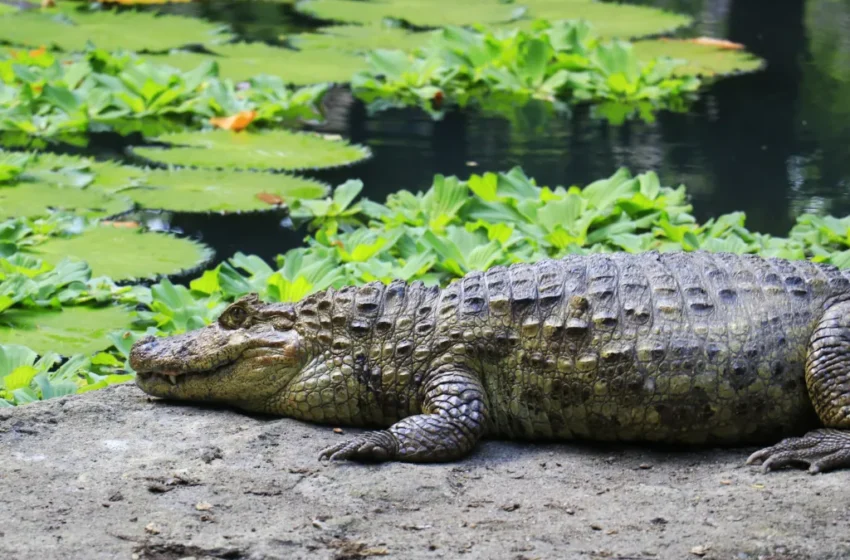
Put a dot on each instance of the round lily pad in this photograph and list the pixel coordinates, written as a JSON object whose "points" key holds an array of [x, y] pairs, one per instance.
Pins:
{"points": [[267, 150], [241, 61], [36, 199], [72, 330], [434, 13], [359, 38], [205, 190], [703, 59], [607, 18], [70, 30], [126, 254]]}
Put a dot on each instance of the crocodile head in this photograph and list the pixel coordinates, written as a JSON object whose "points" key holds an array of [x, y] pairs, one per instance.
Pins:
{"points": [[245, 358]]}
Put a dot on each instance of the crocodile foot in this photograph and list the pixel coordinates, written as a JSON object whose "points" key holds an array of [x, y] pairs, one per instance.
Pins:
{"points": [[371, 446], [822, 450]]}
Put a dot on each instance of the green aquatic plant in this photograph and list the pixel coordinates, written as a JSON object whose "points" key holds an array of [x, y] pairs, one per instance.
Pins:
{"points": [[561, 62], [266, 150], [36, 184], [125, 253], [48, 95], [71, 29], [360, 38], [27, 377], [242, 61], [205, 190], [435, 13], [69, 330], [613, 20]]}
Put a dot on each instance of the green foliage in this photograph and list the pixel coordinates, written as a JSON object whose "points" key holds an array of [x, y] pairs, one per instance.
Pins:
{"points": [[79, 329], [610, 19], [701, 60], [434, 13], [125, 254], [360, 38], [241, 61], [268, 150], [204, 190], [33, 184], [71, 30], [44, 95], [25, 377], [560, 62]]}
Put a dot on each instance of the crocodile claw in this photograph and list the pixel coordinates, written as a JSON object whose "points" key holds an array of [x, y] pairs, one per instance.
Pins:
{"points": [[371, 446], [822, 450]]}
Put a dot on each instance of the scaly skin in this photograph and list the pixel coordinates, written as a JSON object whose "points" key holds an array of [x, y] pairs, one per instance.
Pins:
{"points": [[683, 348]]}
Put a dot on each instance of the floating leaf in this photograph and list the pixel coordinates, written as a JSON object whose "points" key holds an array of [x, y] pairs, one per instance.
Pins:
{"points": [[204, 190], [71, 330], [126, 254], [608, 19], [359, 38], [71, 30], [275, 149], [36, 199], [241, 61], [434, 13], [701, 59]]}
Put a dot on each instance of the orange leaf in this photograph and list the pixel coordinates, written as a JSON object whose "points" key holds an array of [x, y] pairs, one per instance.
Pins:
{"points": [[39, 51], [719, 43], [121, 224], [236, 122], [269, 198], [48, 4]]}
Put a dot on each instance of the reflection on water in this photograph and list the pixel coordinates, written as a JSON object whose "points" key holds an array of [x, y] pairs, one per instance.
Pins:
{"points": [[773, 144]]}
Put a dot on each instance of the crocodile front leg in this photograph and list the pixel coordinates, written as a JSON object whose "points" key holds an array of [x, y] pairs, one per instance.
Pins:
{"points": [[828, 381], [449, 427]]}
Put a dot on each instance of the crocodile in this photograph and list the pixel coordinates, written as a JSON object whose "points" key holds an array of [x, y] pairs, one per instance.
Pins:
{"points": [[683, 348]]}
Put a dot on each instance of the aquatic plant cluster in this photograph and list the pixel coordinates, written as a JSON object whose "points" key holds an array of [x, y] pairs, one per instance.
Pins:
{"points": [[228, 130], [557, 62]]}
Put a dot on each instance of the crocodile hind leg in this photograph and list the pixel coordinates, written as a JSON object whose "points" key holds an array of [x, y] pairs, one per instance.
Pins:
{"points": [[449, 427], [828, 381]]}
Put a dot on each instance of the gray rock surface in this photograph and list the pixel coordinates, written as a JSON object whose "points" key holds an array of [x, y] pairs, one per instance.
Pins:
{"points": [[114, 474]]}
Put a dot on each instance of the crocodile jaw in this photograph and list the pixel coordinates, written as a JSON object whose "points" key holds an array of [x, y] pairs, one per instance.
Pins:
{"points": [[216, 364]]}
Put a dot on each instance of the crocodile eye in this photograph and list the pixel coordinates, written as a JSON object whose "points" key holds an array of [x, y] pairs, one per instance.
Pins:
{"points": [[234, 317]]}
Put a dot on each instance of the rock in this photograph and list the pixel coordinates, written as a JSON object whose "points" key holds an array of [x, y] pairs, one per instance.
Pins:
{"points": [[266, 486]]}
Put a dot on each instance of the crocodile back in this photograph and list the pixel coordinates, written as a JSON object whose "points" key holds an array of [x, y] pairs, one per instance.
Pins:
{"points": [[676, 347]]}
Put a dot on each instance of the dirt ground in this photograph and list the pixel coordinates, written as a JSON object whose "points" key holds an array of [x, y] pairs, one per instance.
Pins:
{"points": [[114, 474]]}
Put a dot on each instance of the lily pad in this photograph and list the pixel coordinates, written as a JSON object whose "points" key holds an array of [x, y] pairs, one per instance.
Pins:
{"points": [[703, 59], [71, 330], [241, 61], [359, 38], [434, 13], [204, 190], [62, 182], [36, 199], [268, 150], [607, 18], [126, 254], [70, 30]]}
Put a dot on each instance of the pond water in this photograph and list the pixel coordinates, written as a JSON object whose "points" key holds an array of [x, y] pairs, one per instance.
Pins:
{"points": [[773, 144]]}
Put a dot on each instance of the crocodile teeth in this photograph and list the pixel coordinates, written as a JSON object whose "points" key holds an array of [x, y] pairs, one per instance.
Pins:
{"points": [[172, 379]]}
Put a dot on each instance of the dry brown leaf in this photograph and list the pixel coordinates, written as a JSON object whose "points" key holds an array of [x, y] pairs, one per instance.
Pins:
{"points": [[719, 43], [128, 224], [269, 198], [236, 122]]}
